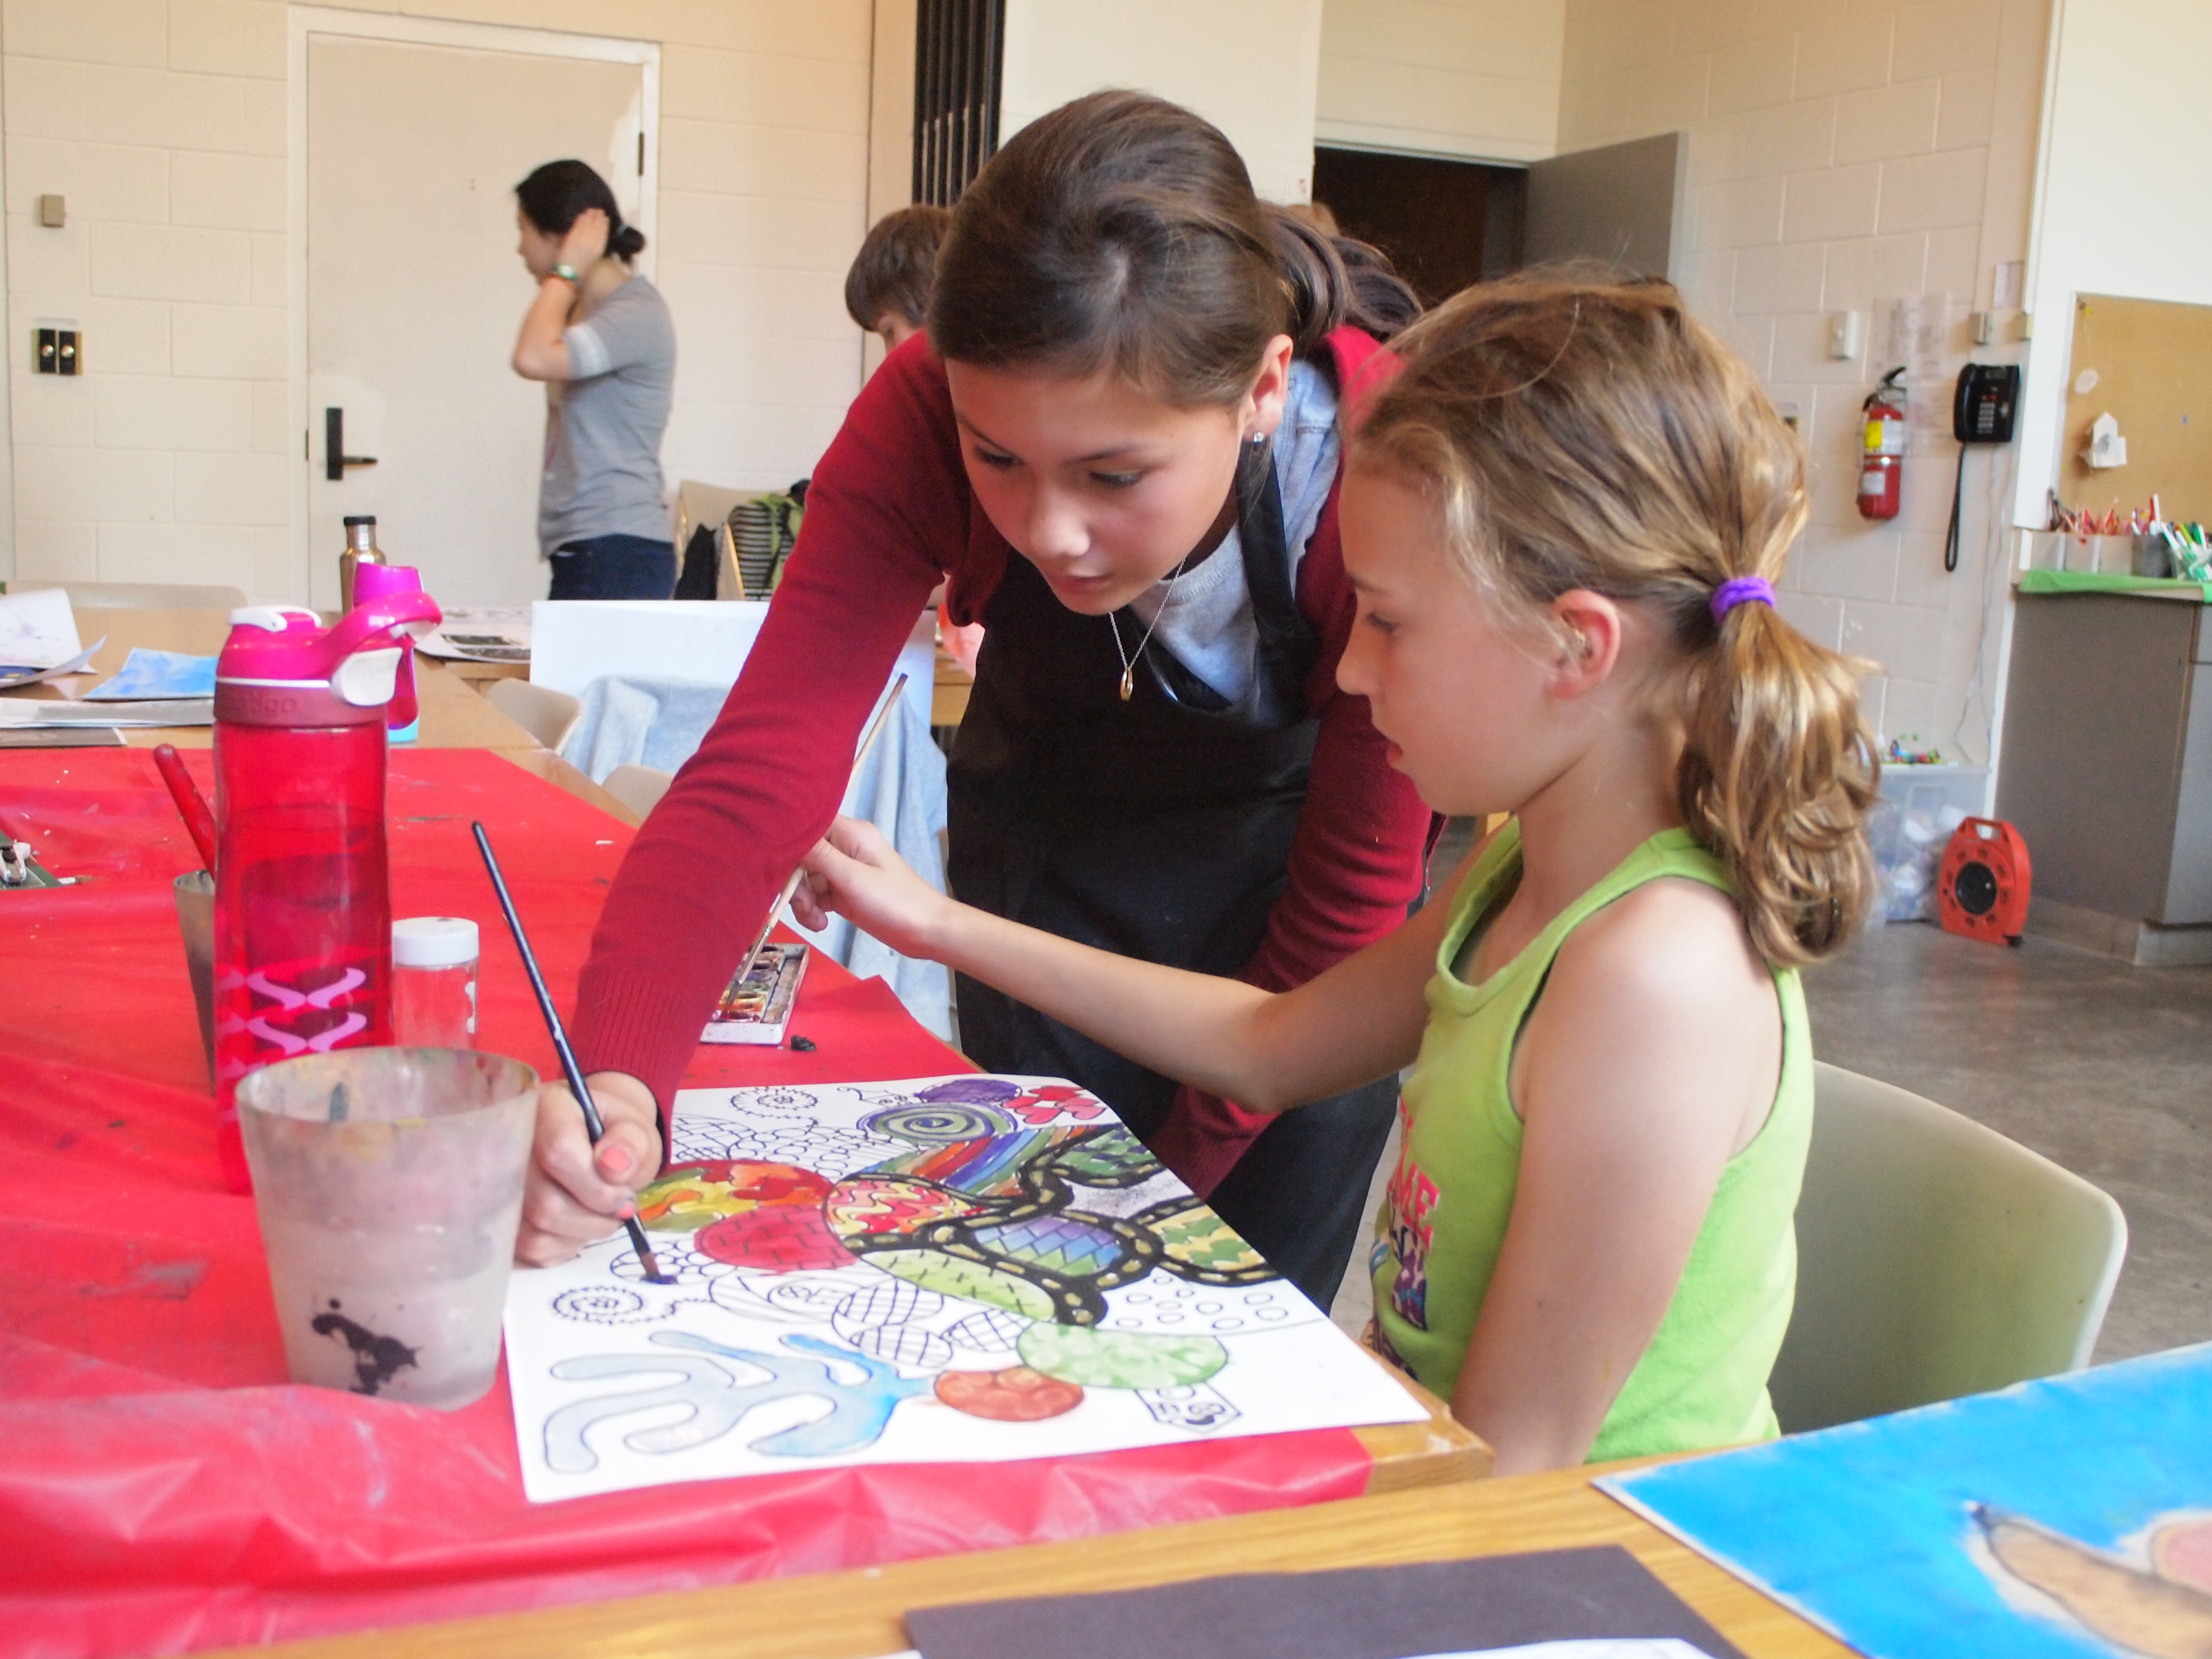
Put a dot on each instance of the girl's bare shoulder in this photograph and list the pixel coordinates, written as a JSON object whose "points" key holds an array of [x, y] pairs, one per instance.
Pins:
{"points": [[1675, 948]]}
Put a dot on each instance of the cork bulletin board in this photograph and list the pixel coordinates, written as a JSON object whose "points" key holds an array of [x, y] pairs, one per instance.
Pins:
{"points": [[2148, 364]]}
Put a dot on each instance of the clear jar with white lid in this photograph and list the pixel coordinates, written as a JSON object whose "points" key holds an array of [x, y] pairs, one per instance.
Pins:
{"points": [[434, 983]]}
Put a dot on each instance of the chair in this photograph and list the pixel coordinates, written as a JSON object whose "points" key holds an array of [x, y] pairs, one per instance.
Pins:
{"points": [[638, 787], [150, 596], [548, 715], [706, 508], [1935, 1259]]}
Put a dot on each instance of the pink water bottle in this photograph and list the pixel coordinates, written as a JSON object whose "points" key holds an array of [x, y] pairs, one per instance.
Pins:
{"points": [[302, 895]]}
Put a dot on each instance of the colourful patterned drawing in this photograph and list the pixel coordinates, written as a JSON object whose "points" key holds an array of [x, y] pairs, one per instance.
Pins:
{"points": [[955, 1269]]}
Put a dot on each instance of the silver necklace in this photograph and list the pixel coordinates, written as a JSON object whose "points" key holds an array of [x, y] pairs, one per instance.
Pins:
{"points": [[1114, 620]]}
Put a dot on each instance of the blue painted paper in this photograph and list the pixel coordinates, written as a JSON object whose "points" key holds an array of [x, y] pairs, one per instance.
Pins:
{"points": [[1870, 1531], [151, 674]]}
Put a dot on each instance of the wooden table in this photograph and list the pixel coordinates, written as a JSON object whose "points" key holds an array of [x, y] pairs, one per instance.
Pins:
{"points": [[856, 1615], [455, 716], [1434, 1453], [948, 699]]}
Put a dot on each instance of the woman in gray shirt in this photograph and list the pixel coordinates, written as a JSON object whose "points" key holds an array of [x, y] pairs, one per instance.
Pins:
{"points": [[599, 336]]}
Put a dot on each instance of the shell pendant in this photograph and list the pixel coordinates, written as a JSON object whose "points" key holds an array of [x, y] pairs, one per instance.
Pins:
{"points": [[1129, 683]]}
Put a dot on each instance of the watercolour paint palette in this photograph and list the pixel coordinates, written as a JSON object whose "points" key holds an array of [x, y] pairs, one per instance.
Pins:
{"points": [[952, 1269], [756, 1006]]}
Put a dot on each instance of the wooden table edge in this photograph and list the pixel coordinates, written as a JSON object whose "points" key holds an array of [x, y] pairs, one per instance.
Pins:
{"points": [[859, 1613]]}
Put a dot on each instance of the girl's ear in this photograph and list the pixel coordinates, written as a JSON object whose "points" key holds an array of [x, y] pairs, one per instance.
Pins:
{"points": [[1589, 627], [1263, 404]]}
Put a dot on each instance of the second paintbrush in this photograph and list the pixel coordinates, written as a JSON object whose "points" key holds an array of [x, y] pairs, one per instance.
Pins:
{"points": [[592, 1123]]}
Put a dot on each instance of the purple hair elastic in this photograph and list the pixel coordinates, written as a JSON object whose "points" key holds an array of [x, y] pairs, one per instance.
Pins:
{"points": [[1739, 590]]}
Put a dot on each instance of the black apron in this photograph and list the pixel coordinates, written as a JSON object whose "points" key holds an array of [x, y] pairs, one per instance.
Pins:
{"points": [[1158, 829]]}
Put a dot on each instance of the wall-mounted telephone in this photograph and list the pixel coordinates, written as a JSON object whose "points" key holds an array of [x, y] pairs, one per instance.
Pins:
{"points": [[1982, 411]]}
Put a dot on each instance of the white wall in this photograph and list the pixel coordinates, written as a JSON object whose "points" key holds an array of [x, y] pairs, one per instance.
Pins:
{"points": [[2126, 176], [1844, 153], [1475, 78], [1249, 66], [163, 122]]}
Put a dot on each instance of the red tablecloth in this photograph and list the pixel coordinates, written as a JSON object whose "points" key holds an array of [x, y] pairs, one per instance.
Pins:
{"points": [[163, 1489]]}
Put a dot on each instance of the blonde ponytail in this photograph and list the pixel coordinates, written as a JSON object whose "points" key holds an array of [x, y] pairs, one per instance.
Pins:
{"points": [[1775, 778], [1581, 431]]}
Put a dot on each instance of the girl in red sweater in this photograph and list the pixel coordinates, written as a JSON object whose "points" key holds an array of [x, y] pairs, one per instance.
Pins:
{"points": [[1118, 446]]}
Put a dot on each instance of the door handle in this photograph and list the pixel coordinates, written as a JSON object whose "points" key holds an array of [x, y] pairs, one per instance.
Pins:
{"points": [[335, 459]]}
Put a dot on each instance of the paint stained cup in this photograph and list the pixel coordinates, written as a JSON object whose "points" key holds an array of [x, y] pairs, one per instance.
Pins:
{"points": [[389, 1185], [195, 920]]}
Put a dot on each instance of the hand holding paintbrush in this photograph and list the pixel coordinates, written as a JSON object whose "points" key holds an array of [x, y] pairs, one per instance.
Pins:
{"points": [[593, 1124], [576, 1189]]}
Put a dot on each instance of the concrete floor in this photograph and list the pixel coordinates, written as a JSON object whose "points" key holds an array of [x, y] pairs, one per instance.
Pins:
{"points": [[2103, 1068]]}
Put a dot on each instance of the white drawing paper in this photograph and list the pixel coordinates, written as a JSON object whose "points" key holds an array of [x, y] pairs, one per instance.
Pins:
{"points": [[953, 1269], [38, 630]]}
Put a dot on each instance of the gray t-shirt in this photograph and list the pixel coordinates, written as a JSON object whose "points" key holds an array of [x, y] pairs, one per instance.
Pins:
{"points": [[1210, 627], [603, 426]]}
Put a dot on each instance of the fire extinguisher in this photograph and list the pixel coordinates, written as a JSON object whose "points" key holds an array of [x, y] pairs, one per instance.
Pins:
{"points": [[1881, 471]]}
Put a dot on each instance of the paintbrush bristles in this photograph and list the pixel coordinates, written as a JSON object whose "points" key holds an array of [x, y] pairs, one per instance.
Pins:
{"points": [[867, 742]]}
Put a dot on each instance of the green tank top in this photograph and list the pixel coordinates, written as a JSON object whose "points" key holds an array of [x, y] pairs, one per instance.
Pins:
{"points": [[1703, 1380]]}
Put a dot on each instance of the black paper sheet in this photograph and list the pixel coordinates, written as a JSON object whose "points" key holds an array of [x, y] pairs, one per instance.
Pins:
{"points": [[1357, 1612]]}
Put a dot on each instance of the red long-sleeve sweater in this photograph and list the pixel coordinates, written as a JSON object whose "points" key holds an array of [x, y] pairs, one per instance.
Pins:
{"points": [[888, 512]]}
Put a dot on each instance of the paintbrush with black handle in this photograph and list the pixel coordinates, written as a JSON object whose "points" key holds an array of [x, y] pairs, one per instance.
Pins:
{"points": [[592, 1122]]}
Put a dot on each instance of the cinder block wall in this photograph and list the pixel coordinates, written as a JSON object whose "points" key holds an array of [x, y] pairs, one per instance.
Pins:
{"points": [[164, 123], [1844, 153]]}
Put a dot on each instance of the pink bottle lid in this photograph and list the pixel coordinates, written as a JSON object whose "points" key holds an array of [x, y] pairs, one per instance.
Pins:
{"points": [[374, 581], [280, 666]]}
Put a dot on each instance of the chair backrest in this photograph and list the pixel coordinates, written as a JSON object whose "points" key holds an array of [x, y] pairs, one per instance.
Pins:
{"points": [[638, 787], [703, 504], [548, 715], [1934, 1259], [151, 596]]}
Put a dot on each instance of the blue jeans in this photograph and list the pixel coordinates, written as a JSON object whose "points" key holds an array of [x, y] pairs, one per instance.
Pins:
{"points": [[614, 568]]}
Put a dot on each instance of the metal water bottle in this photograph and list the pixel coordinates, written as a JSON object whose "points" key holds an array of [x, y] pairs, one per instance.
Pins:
{"points": [[361, 548], [302, 897]]}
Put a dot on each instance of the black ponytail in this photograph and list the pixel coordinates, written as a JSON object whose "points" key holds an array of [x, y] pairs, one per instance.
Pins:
{"points": [[1335, 280], [557, 195]]}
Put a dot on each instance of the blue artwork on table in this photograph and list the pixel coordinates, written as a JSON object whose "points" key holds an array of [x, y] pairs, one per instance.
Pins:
{"points": [[157, 674], [2055, 1520]]}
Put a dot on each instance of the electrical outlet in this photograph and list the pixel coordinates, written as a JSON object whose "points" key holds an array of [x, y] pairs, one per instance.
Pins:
{"points": [[57, 351]]}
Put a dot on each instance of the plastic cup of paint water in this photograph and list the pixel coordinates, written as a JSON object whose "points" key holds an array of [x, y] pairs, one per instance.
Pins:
{"points": [[389, 1185], [196, 921], [434, 981]]}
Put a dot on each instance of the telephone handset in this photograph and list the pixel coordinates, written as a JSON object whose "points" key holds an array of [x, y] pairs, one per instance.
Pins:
{"points": [[1982, 411]]}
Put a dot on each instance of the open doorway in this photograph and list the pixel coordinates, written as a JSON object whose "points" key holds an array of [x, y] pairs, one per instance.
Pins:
{"points": [[1444, 223]]}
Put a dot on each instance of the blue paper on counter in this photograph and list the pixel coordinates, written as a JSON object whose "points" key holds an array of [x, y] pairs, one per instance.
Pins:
{"points": [[2069, 1518], [150, 674]]}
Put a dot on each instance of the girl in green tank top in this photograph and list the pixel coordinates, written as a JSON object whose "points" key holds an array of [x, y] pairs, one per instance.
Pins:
{"points": [[1562, 520]]}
